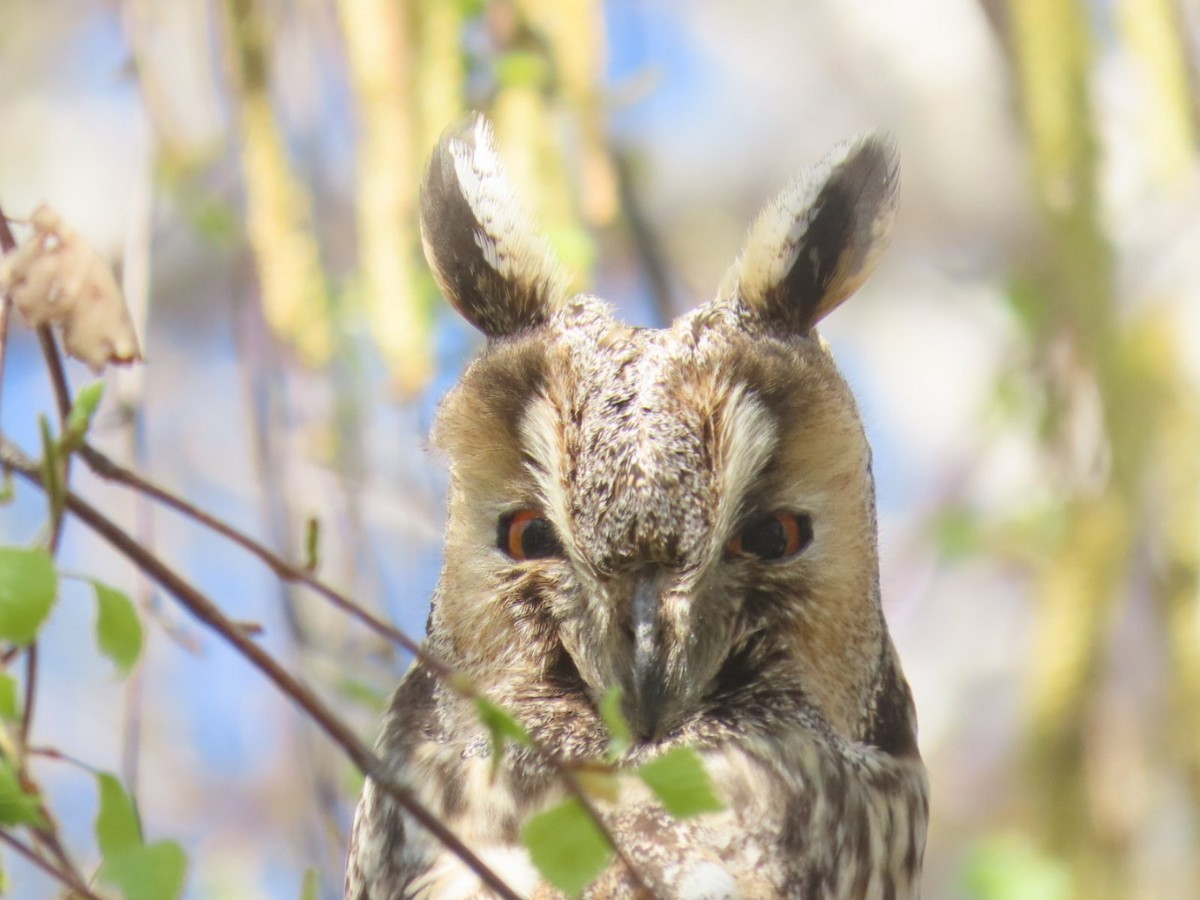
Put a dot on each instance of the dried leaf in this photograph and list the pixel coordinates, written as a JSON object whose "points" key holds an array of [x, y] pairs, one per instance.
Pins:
{"points": [[55, 277]]}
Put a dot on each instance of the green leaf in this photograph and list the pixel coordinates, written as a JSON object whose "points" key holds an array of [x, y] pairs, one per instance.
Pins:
{"points": [[117, 827], [599, 784], [567, 847], [365, 695], [957, 532], [310, 885], [7, 490], [214, 219], [147, 872], [118, 630], [620, 738], [17, 806], [312, 543], [1010, 868], [521, 68], [28, 585], [141, 871], [503, 728], [680, 782], [53, 470], [79, 419], [9, 710]]}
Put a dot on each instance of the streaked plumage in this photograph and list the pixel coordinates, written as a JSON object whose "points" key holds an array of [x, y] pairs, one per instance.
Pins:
{"points": [[652, 453]]}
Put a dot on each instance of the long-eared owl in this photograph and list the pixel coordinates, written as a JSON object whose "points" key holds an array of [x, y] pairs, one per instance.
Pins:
{"points": [[686, 514]]}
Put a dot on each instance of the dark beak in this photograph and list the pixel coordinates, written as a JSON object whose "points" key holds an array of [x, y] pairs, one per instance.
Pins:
{"points": [[645, 706]]}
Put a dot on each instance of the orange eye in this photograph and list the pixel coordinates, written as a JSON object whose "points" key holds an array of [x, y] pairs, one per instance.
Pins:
{"points": [[526, 534], [777, 536]]}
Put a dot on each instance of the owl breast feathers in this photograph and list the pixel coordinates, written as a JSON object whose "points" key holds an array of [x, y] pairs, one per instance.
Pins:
{"points": [[685, 514]]}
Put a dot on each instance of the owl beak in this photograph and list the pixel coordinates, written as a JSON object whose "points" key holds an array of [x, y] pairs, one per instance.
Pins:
{"points": [[649, 677]]}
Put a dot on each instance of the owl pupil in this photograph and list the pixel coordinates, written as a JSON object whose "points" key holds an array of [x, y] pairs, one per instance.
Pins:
{"points": [[538, 540], [766, 539]]}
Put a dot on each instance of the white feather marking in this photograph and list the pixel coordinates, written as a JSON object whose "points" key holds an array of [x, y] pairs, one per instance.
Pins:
{"points": [[708, 881], [541, 437], [452, 880], [747, 438], [507, 236]]}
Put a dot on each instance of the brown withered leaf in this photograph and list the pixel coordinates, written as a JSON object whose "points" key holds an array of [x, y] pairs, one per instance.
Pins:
{"points": [[55, 277]]}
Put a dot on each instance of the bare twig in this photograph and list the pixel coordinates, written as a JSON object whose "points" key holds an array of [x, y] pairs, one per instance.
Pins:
{"points": [[49, 836], [31, 672], [202, 608], [645, 242], [58, 377], [7, 243], [106, 468], [64, 878], [109, 470]]}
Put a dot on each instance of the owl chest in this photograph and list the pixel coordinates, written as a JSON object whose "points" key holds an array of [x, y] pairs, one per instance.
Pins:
{"points": [[799, 824]]}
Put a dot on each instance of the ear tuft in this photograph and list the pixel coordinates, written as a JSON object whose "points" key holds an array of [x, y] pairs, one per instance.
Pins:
{"points": [[488, 257], [821, 237]]}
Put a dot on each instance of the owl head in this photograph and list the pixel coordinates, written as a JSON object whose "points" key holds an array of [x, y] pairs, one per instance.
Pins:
{"points": [[686, 513]]}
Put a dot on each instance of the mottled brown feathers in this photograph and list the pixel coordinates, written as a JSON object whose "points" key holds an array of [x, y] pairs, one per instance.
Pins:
{"points": [[648, 452]]}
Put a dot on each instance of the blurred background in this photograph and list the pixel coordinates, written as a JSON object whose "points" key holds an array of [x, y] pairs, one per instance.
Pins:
{"points": [[1027, 360]]}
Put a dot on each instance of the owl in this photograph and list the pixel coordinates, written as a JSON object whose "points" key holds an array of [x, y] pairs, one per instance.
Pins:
{"points": [[686, 514]]}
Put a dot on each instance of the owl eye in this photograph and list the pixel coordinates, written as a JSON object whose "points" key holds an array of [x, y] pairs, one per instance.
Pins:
{"points": [[526, 534], [777, 536]]}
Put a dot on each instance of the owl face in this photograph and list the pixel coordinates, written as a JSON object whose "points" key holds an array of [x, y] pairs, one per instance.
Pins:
{"points": [[684, 513]]}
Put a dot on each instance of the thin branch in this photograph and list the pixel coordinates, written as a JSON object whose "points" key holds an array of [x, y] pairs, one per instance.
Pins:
{"points": [[49, 836], [64, 878], [31, 671], [7, 244], [645, 241], [109, 470], [112, 471], [202, 608], [58, 376], [58, 756]]}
